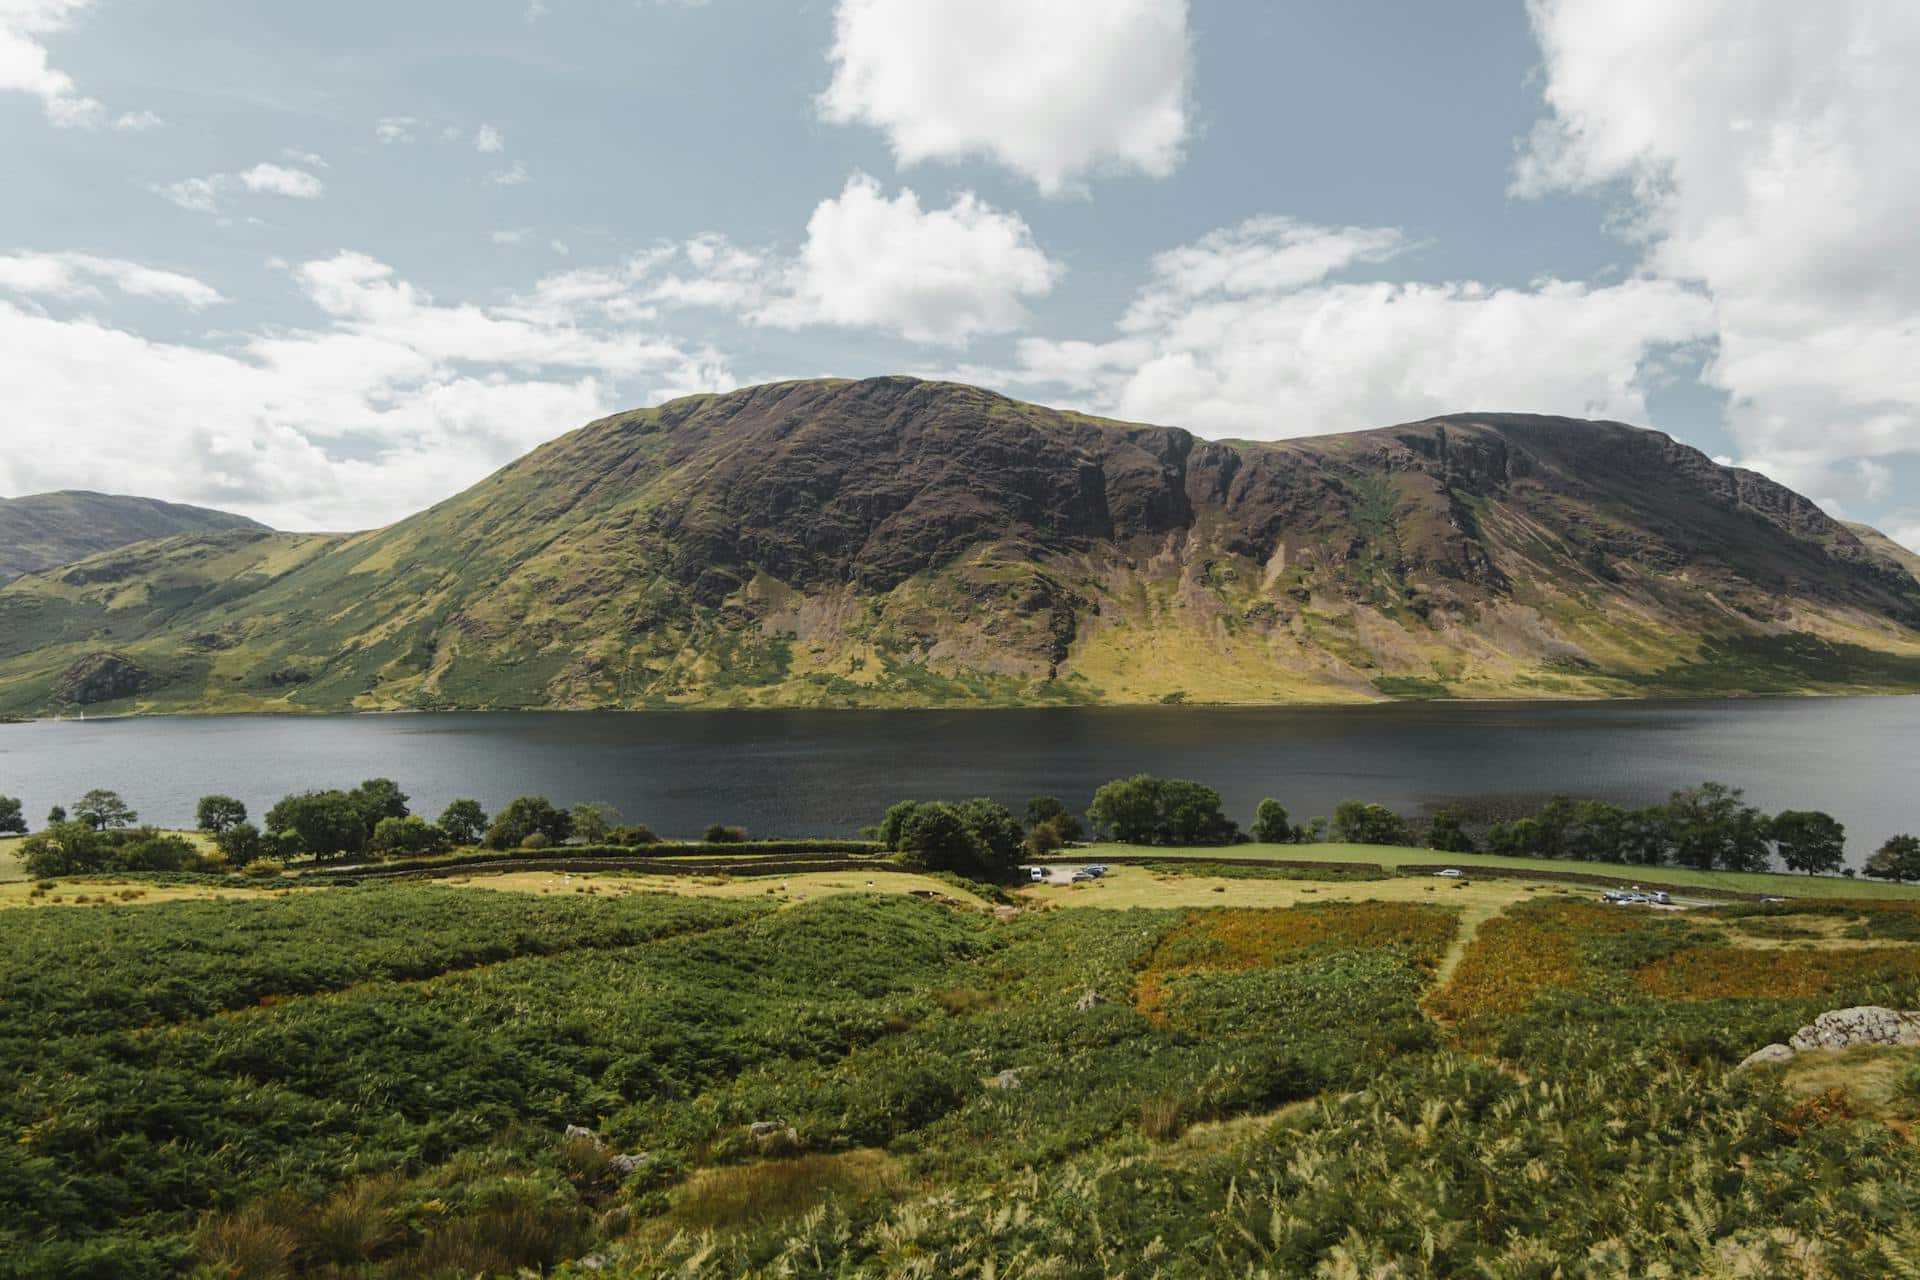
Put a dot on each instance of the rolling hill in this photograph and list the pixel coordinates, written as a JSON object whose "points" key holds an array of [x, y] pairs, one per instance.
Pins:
{"points": [[892, 542], [47, 530]]}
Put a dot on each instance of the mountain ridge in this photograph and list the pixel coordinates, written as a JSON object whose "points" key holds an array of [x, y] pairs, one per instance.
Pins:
{"points": [[894, 542], [41, 531]]}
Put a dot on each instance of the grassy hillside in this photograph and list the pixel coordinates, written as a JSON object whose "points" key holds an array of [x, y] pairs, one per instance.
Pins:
{"points": [[47, 530], [900, 543], [582, 1079]]}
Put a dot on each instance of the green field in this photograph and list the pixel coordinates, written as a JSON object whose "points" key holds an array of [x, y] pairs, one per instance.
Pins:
{"points": [[10, 866], [1344, 1078], [1783, 885]]}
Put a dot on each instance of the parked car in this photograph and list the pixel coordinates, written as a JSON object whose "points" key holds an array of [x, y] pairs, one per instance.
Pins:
{"points": [[1451, 873], [1036, 873], [1663, 899], [1083, 874], [1098, 869]]}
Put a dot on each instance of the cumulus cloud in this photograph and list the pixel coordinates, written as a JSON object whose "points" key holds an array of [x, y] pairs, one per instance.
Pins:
{"points": [[869, 261], [1773, 161], [930, 275], [393, 130], [24, 65], [78, 275], [279, 180], [205, 195], [513, 177], [1055, 91], [488, 140], [138, 122], [1246, 333], [391, 401]]}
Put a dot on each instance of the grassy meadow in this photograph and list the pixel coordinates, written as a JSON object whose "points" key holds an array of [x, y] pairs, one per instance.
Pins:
{"points": [[1175, 1071]]}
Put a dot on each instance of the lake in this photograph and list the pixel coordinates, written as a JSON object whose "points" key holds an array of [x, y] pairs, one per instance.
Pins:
{"points": [[832, 772]]}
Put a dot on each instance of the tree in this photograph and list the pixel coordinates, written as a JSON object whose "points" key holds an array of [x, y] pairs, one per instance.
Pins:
{"points": [[216, 813], [1809, 841], [1897, 859], [996, 836], [1163, 811], [104, 809], [150, 850], [1270, 825], [594, 821], [893, 827], [719, 833], [1043, 840], [464, 821], [378, 798], [1357, 823], [56, 814], [326, 823], [241, 842], [410, 836], [11, 820], [1709, 826], [1448, 833], [976, 837], [1048, 811], [526, 816]]}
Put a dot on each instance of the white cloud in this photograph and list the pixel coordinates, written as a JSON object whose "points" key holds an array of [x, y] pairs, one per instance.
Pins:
{"points": [[392, 401], [396, 129], [24, 67], [1242, 333], [1771, 157], [138, 122], [559, 247], [204, 195], [274, 179], [488, 140], [309, 159], [509, 177], [511, 235], [937, 276], [1056, 91], [74, 275]]}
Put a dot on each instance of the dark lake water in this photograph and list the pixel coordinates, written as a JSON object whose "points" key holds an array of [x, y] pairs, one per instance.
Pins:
{"points": [[831, 772]]}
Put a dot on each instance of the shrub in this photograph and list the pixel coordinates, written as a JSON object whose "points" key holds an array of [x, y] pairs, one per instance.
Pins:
{"points": [[720, 834], [1161, 1117], [264, 869], [633, 835], [1448, 833], [65, 849], [1048, 811], [535, 840]]}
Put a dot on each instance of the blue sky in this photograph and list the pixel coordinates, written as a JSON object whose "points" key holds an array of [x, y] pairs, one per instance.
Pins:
{"points": [[329, 264]]}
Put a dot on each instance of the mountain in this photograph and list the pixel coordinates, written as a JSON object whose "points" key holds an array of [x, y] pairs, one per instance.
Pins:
{"points": [[892, 542], [1879, 544], [47, 530]]}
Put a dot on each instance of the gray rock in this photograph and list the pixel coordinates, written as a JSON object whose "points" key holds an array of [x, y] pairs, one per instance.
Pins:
{"points": [[630, 1164], [576, 1131], [1089, 1000], [1867, 1024], [764, 1129], [1007, 1079], [1772, 1053]]}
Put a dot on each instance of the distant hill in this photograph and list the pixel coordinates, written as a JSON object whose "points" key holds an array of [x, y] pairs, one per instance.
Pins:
{"points": [[1887, 549], [893, 542], [47, 530]]}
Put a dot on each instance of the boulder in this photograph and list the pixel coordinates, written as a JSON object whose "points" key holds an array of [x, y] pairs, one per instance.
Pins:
{"points": [[1772, 1053], [1867, 1024], [577, 1131], [1007, 1079], [627, 1165], [1089, 1000]]}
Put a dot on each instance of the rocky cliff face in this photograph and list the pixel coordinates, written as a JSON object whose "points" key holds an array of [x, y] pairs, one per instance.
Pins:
{"points": [[893, 541]]}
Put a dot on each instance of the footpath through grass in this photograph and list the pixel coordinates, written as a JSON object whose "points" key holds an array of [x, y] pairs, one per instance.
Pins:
{"points": [[1393, 857]]}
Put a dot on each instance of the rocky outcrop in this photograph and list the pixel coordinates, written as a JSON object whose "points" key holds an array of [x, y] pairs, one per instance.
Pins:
{"points": [[1844, 1029], [105, 677]]}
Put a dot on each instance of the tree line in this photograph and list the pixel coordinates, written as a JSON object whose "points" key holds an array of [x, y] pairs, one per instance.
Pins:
{"points": [[1710, 827]]}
